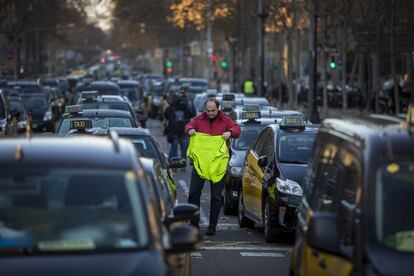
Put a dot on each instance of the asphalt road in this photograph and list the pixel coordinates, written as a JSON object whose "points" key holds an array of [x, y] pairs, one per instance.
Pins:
{"points": [[232, 251]]}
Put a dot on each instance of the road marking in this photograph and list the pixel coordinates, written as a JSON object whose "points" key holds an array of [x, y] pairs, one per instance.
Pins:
{"points": [[196, 255], [262, 254], [203, 217]]}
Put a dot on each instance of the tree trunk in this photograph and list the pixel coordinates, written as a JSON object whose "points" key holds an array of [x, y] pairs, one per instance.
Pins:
{"points": [[392, 50], [344, 94], [289, 40]]}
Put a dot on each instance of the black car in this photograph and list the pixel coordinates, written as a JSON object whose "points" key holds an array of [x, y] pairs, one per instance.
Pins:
{"points": [[103, 118], [355, 217], [25, 87], [38, 108], [146, 146], [91, 100], [131, 89], [18, 111], [272, 176], [80, 206], [102, 87]]}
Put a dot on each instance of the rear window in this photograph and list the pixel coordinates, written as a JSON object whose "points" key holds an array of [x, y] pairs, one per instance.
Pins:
{"points": [[295, 147]]}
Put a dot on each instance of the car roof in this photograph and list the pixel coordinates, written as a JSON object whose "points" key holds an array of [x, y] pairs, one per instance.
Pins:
{"points": [[258, 122], [23, 82], [100, 113], [79, 151], [128, 83]]}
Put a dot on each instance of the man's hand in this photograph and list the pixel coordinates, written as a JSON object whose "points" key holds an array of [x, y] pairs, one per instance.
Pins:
{"points": [[226, 135], [191, 132]]}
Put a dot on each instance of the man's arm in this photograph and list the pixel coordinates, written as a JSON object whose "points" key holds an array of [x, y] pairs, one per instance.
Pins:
{"points": [[190, 125], [233, 128]]}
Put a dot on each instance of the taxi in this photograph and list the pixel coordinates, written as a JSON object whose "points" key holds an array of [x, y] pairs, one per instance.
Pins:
{"points": [[355, 217], [98, 117], [250, 124], [272, 176], [82, 202], [91, 100]]}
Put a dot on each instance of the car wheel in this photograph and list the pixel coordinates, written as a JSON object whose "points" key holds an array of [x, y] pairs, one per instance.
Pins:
{"points": [[268, 228], [242, 219], [227, 208]]}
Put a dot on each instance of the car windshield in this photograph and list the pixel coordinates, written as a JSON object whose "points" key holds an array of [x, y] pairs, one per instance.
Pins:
{"points": [[35, 102], [393, 198], [59, 209], [97, 122], [131, 93], [106, 105], [295, 147], [247, 136]]}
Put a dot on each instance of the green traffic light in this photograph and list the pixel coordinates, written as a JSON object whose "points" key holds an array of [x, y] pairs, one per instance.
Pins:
{"points": [[224, 64], [169, 63], [332, 64]]}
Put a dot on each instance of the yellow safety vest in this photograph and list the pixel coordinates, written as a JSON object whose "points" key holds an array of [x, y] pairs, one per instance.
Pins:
{"points": [[248, 87], [210, 156]]}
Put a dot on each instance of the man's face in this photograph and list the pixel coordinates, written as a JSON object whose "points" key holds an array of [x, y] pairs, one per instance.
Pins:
{"points": [[212, 110]]}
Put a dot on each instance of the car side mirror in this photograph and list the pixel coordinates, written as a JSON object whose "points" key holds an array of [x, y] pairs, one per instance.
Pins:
{"points": [[183, 212], [262, 161], [184, 238], [323, 233], [177, 162]]}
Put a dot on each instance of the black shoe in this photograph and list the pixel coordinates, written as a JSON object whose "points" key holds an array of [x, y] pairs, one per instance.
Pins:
{"points": [[211, 231]]}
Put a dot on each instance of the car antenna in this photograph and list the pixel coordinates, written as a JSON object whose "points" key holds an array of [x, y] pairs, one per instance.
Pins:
{"points": [[113, 135]]}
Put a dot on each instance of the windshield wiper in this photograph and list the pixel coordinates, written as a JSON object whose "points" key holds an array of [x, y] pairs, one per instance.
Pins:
{"points": [[292, 162]]}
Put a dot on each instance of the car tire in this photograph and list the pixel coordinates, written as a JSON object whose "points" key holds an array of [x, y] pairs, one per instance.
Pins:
{"points": [[241, 218], [227, 208], [268, 228]]}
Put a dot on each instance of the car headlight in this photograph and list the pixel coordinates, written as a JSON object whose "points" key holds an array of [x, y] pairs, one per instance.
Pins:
{"points": [[235, 171], [289, 187], [48, 116]]}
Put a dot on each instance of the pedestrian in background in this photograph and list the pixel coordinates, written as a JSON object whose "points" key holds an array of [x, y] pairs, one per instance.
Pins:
{"points": [[212, 122], [177, 115]]}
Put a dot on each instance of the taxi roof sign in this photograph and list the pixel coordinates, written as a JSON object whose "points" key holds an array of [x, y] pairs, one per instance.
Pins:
{"points": [[73, 109], [80, 124], [89, 95], [228, 97], [292, 122]]}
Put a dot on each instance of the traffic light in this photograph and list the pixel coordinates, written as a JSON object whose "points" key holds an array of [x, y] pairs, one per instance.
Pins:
{"points": [[213, 58], [169, 63], [224, 64], [332, 64]]}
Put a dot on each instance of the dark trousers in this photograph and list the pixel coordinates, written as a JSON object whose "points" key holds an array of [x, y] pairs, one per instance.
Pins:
{"points": [[194, 195]]}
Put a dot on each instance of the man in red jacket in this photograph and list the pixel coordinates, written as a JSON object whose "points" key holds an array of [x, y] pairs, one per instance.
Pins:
{"points": [[213, 122]]}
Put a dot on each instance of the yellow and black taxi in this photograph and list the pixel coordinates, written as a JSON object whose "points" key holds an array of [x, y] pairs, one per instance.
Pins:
{"points": [[99, 117], [272, 176], [80, 206], [355, 217], [251, 124]]}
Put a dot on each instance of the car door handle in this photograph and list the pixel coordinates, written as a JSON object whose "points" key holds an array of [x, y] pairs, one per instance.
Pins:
{"points": [[322, 263]]}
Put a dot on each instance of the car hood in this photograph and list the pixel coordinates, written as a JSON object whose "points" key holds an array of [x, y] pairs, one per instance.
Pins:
{"points": [[293, 172], [122, 264], [237, 158]]}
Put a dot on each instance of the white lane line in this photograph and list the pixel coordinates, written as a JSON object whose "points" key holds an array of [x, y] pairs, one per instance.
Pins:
{"points": [[241, 248], [262, 254], [203, 217], [196, 255]]}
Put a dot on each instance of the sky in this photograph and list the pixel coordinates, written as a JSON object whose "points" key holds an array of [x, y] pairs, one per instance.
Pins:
{"points": [[101, 14]]}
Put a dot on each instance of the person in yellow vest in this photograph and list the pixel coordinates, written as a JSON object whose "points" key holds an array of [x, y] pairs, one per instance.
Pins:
{"points": [[248, 87], [209, 133]]}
